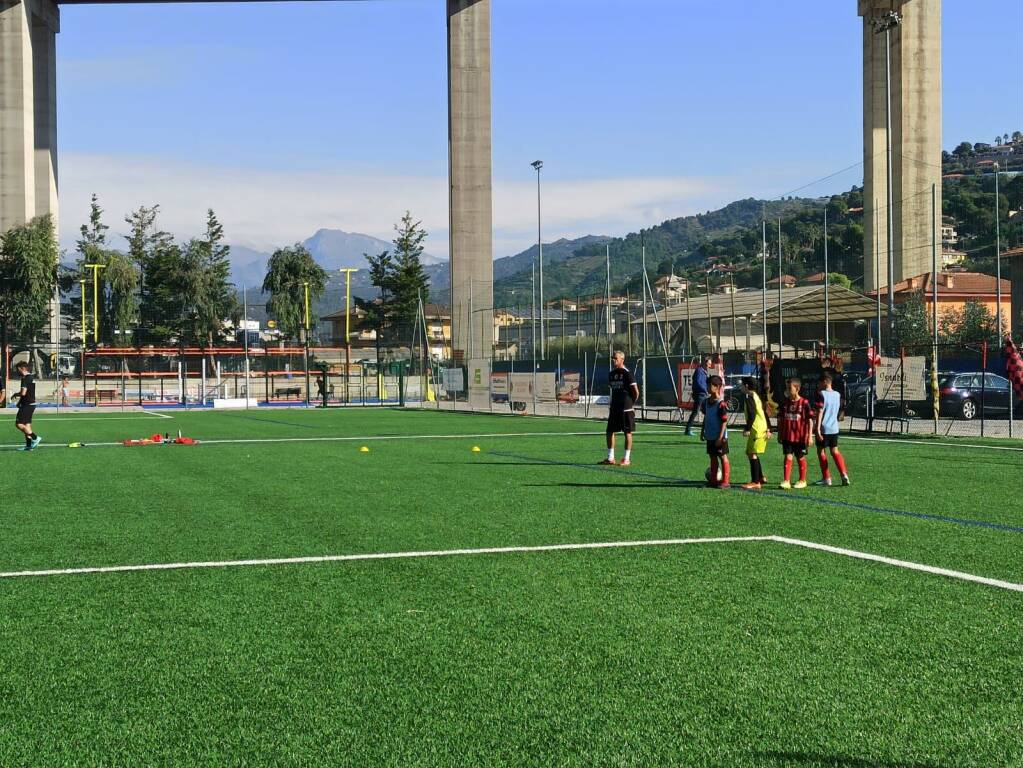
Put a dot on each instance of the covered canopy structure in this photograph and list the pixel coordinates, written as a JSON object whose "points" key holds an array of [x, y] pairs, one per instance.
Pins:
{"points": [[722, 322]]}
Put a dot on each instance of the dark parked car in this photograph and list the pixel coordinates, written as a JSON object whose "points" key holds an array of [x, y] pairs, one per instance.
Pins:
{"points": [[963, 395]]}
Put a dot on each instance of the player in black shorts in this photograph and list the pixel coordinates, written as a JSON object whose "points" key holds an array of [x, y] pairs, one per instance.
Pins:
{"points": [[621, 416], [26, 407]]}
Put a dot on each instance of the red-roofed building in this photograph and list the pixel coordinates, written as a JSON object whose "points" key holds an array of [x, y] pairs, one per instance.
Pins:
{"points": [[954, 290], [787, 281]]}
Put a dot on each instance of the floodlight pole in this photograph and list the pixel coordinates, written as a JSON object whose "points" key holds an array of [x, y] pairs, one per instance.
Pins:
{"points": [[935, 400], [245, 340], [85, 336], [781, 282], [305, 285], [827, 281], [538, 166], [763, 287], [886, 23], [998, 261], [348, 324]]}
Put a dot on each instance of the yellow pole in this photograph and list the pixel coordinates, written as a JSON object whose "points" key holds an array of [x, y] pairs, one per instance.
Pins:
{"points": [[348, 324], [306, 284]]}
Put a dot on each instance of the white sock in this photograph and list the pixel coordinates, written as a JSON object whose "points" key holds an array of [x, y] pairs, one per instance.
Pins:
{"points": [[610, 454], [628, 453]]}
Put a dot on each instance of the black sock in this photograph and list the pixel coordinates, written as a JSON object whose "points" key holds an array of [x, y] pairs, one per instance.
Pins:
{"points": [[32, 435], [28, 440], [755, 470]]}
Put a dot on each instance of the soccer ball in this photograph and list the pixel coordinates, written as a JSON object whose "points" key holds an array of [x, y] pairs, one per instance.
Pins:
{"points": [[718, 479]]}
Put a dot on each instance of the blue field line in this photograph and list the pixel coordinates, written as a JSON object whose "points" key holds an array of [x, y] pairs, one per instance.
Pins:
{"points": [[787, 495]]}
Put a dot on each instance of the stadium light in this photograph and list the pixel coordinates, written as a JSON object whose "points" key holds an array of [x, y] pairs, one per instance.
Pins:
{"points": [[885, 23], [538, 166], [347, 272]]}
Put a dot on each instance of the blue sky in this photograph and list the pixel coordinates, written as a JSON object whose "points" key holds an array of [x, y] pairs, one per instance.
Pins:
{"points": [[287, 117]]}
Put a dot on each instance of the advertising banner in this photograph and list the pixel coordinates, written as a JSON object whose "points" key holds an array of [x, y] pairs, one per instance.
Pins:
{"points": [[568, 389], [499, 387], [685, 384], [453, 380], [902, 379], [546, 387], [520, 387]]}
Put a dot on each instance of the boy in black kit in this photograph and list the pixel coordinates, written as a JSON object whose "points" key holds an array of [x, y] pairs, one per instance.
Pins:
{"points": [[26, 407]]}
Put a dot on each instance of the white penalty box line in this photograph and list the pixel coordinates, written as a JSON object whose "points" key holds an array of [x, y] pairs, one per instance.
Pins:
{"points": [[850, 553]]}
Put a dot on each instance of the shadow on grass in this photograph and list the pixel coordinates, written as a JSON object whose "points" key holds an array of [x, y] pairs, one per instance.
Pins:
{"points": [[651, 484], [780, 757]]}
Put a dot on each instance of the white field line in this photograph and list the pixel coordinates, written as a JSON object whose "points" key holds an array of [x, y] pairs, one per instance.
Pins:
{"points": [[851, 553], [380, 556], [68, 419], [359, 438], [901, 563], [898, 441]]}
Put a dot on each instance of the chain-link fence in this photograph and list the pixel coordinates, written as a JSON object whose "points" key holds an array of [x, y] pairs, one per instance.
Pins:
{"points": [[226, 376]]}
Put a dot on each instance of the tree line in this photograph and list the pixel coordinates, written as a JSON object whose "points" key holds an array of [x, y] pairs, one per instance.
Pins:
{"points": [[160, 292]]}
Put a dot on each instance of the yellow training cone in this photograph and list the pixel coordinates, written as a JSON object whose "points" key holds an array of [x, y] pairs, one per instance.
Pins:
{"points": [[475, 449], [364, 449]]}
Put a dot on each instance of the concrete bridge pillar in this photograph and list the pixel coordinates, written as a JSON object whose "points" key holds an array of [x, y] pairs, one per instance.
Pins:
{"points": [[28, 115], [28, 110], [916, 137], [470, 178]]}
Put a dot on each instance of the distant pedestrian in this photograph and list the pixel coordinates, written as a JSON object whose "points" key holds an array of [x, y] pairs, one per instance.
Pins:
{"points": [[65, 392], [699, 392]]}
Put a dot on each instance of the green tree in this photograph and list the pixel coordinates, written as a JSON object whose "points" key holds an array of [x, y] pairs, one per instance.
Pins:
{"points": [[911, 328], [837, 278], [28, 277], [973, 324], [287, 272], [152, 251], [409, 281], [964, 150], [210, 295], [400, 276], [119, 299], [121, 305]]}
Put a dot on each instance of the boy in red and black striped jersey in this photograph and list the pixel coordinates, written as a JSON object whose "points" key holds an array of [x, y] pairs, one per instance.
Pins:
{"points": [[795, 425]]}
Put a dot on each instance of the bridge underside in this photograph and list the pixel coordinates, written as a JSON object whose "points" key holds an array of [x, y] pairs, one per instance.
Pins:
{"points": [[28, 139]]}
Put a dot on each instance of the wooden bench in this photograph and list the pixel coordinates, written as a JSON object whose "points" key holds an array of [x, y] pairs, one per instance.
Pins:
{"points": [[287, 392], [106, 394]]}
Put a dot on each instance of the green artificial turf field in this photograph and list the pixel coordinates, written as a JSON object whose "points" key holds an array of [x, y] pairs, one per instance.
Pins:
{"points": [[742, 653]]}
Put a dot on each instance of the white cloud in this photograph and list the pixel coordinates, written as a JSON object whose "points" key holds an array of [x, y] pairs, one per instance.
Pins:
{"points": [[266, 209]]}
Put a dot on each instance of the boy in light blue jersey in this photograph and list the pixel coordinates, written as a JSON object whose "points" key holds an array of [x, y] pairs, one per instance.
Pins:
{"points": [[829, 405]]}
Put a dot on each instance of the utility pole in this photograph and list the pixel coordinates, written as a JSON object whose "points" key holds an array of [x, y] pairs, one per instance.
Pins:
{"points": [[827, 281], [305, 285], [348, 325], [763, 288], [781, 324], [998, 261], [538, 166], [886, 23]]}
